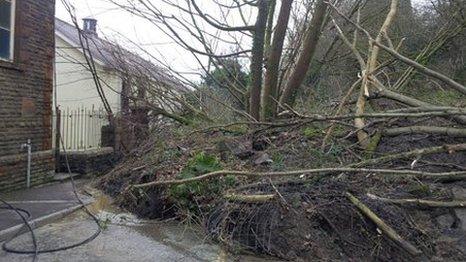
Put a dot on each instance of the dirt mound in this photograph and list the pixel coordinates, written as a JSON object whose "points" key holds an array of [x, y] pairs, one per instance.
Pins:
{"points": [[316, 221], [311, 217]]}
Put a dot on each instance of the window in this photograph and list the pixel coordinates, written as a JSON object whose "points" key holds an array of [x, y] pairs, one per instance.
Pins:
{"points": [[7, 17]]}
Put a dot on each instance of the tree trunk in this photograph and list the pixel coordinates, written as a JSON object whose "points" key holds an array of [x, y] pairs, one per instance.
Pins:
{"points": [[386, 229], [363, 137], [269, 30], [302, 65], [257, 60], [436, 130], [414, 103], [270, 92]]}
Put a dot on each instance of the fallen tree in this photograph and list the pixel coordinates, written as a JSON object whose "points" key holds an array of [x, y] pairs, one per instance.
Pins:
{"points": [[435, 130], [421, 202], [352, 168], [418, 174], [277, 182], [392, 234]]}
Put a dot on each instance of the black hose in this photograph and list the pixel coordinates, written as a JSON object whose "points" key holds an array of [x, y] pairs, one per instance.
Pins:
{"points": [[26, 223], [28, 215], [37, 251]]}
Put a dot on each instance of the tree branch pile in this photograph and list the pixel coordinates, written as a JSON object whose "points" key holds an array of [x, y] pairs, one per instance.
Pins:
{"points": [[253, 154]]}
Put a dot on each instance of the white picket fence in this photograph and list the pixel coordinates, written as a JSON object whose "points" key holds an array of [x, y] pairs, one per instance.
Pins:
{"points": [[80, 128]]}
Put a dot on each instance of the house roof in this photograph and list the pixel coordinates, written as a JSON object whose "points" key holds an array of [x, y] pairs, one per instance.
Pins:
{"points": [[97, 46], [113, 56]]}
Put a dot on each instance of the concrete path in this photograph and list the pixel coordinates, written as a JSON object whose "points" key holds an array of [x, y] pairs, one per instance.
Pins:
{"points": [[44, 204], [124, 237], [145, 242], [116, 243]]}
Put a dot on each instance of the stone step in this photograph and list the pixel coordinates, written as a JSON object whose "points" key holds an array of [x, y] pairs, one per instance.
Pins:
{"points": [[60, 177]]}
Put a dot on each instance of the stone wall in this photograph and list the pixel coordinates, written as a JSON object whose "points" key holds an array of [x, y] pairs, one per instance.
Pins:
{"points": [[95, 161], [26, 96], [13, 170]]}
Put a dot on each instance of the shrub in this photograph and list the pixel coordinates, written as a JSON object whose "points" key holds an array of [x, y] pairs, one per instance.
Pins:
{"points": [[185, 194]]}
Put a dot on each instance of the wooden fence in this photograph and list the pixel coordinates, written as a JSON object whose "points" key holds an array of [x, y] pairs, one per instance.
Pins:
{"points": [[80, 129]]}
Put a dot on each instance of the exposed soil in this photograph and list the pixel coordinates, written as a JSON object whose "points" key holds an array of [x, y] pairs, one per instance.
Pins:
{"points": [[312, 219], [316, 220]]}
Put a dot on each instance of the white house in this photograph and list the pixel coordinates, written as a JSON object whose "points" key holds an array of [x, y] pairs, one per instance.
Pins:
{"points": [[121, 74], [75, 92], [74, 84]]}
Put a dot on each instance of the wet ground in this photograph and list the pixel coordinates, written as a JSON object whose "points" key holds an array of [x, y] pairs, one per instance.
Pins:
{"points": [[39, 202], [124, 238]]}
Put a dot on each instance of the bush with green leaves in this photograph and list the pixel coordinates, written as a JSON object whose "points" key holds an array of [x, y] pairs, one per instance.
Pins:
{"points": [[185, 194]]}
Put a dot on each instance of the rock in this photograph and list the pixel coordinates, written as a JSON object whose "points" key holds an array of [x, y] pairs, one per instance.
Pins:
{"points": [[263, 159], [461, 214], [459, 193], [260, 143], [242, 152], [445, 221], [452, 240], [240, 148], [291, 255], [182, 149]]}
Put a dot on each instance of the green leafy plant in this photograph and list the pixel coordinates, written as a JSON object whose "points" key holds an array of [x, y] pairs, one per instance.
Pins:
{"points": [[185, 194], [325, 158], [335, 150], [278, 161], [420, 190], [312, 132]]}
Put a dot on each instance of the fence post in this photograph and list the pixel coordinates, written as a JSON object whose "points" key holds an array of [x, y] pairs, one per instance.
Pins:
{"points": [[57, 138]]}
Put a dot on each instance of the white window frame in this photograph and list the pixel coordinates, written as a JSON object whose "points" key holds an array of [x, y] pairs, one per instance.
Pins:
{"points": [[12, 31]]}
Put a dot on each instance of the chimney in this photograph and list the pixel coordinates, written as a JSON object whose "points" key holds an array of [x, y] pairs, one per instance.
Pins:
{"points": [[90, 26]]}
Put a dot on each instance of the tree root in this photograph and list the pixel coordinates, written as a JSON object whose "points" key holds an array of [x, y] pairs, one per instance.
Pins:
{"points": [[386, 229]]}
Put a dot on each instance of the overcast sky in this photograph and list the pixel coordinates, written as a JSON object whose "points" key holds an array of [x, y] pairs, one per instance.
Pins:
{"points": [[115, 23]]}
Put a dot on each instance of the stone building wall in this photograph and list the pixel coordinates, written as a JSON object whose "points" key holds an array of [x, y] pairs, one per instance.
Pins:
{"points": [[26, 86]]}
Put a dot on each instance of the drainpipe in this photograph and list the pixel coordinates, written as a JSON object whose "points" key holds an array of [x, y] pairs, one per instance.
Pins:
{"points": [[28, 176]]}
